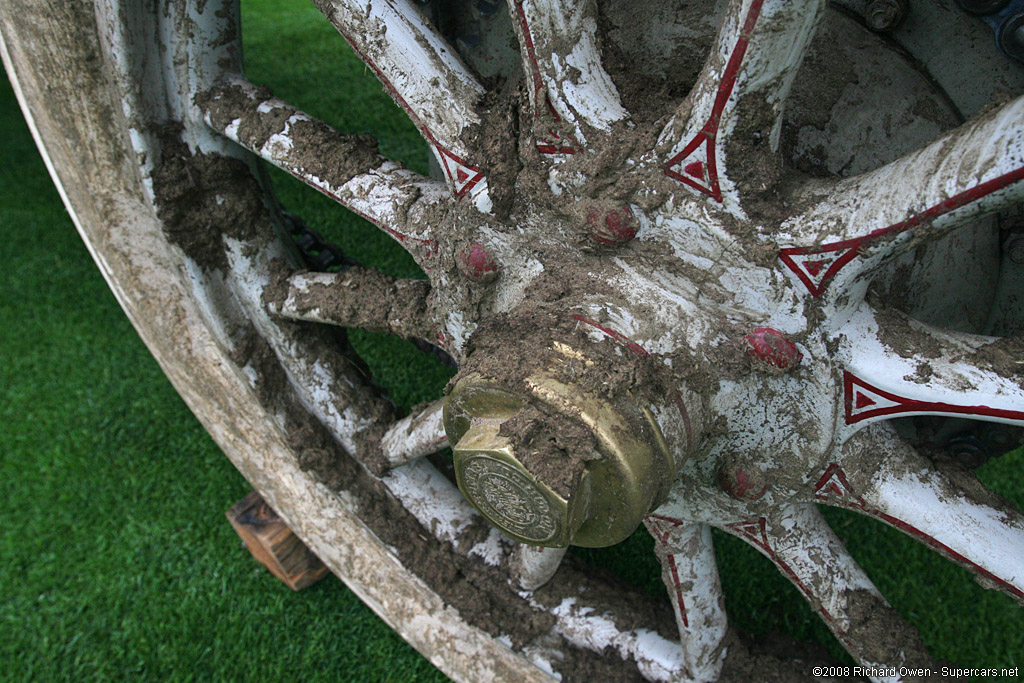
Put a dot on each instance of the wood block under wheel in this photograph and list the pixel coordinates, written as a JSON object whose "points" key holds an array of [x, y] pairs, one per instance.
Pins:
{"points": [[271, 542]]}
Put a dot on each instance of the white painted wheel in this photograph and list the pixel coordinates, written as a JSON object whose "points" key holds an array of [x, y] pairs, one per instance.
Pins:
{"points": [[771, 315]]}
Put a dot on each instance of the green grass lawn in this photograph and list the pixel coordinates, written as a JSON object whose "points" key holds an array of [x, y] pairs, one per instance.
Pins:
{"points": [[116, 561]]}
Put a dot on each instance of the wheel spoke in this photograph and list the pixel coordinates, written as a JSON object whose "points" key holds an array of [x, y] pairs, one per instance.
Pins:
{"points": [[736, 105], [798, 540], [435, 502], [896, 367], [572, 96], [691, 576], [230, 272], [533, 566], [415, 435], [346, 168], [425, 77], [357, 297], [590, 624], [854, 225], [948, 510]]}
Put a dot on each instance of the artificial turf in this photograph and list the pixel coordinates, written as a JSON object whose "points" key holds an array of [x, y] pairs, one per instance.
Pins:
{"points": [[115, 558]]}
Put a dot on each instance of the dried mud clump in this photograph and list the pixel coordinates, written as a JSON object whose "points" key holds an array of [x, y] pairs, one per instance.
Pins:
{"points": [[599, 586], [879, 627], [544, 335], [902, 335], [317, 149], [316, 450], [551, 446], [202, 197], [755, 167], [496, 137], [774, 659], [479, 592], [544, 344], [961, 482], [624, 34], [362, 298], [1005, 356]]}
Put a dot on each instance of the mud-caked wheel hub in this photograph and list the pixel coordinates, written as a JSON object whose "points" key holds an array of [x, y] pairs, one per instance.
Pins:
{"points": [[549, 460]]}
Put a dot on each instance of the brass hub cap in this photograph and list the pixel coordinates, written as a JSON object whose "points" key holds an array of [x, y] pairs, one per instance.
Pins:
{"points": [[585, 472]]}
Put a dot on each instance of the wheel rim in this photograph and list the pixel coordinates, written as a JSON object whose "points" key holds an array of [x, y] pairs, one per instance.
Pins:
{"points": [[832, 483]]}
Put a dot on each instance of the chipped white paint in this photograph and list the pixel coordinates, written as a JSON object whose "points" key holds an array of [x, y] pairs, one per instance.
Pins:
{"points": [[202, 60], [969, 172], [299, 285], [795, 538], [389, 196], [519, 268], [584, 86], [535, 565], [423, 75], [544, 650], [416, 435], [278, 144], [432, 499], [904, 490], [990, 538], [657, 659], [759, 49], [157, 293], [691, 576], [812, 557], [458, 329], [493, 550], [825, 575], [575, 83], [427, 76], [940, 376], [481, 198], [321, 388]]}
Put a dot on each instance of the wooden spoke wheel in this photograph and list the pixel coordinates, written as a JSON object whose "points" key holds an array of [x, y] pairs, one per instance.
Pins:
{"points": [[698, 267]]}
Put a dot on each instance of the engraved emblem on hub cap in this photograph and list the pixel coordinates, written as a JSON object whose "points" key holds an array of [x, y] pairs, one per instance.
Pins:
{"points": [[507, 496]]}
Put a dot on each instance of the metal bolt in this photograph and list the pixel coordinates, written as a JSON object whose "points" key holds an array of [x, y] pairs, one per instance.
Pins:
{"points": [[970, 451], [1015, 250], [1001, 439], [741, 479], [477, 264], [770, 347], [1010, 36], [611, 226], [883, 15]]}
